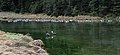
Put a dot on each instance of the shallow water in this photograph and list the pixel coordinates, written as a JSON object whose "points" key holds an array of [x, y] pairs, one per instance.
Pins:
{"points": [[72, 38]]}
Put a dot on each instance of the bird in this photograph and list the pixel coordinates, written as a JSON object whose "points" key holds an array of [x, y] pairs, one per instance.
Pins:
{"points": [[53, 33], [47, 34]]}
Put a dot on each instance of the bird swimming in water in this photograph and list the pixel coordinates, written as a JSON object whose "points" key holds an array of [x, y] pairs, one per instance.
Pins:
{"points": [[53, 33], [47, 34]]}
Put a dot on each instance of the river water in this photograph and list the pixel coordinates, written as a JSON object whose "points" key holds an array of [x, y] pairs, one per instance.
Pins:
{"points": [[72, 38]]}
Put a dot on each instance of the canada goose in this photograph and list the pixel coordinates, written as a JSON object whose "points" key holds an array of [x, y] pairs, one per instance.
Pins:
{"points": [[47, 34], [52, 37], [53, 33]]}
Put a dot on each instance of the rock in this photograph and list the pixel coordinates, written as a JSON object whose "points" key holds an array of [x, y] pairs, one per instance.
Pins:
{"points": [[26, 38], [8, 53], [36, 48], [37, 43], [20, 47], [1, 32], [31, 52], [41, 51]]}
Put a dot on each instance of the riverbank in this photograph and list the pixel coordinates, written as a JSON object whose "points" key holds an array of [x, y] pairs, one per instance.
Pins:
{"points": [[42, 16], [19, 44], [27, 17]]}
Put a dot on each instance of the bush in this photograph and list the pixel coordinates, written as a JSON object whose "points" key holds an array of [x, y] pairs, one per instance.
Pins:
{"points": [[110, 16]]}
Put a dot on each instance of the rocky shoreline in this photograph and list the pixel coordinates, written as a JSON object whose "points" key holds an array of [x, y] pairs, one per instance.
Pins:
{"points": [[9, 15], [19, 44], [15, 17], [48, 20]]}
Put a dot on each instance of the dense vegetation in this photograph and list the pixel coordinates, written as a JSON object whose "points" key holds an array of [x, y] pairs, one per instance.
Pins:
{"points": [[63, 7]]}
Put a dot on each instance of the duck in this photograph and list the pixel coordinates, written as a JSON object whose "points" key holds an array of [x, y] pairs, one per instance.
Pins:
{"points": [[53, 33]]}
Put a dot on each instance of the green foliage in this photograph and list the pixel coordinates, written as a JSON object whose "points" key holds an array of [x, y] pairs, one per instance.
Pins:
{"points": [[7, 5], [62, 7], [110, 17]]}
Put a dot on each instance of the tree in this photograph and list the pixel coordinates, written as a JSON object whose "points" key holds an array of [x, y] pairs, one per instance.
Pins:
{"points": [[63, 7], [7, 5]]}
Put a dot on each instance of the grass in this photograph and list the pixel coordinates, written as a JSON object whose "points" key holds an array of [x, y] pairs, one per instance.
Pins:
{"points": [[15, 36]]}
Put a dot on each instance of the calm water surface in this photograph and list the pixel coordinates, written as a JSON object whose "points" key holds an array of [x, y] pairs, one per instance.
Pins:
{"points": [[72, 38]]}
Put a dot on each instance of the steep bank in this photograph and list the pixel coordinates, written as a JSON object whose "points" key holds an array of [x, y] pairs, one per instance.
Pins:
{"points": [[18, 44]]}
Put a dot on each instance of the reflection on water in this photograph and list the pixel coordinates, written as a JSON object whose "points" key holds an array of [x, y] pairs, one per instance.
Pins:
{"points": [[72, 38]]}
